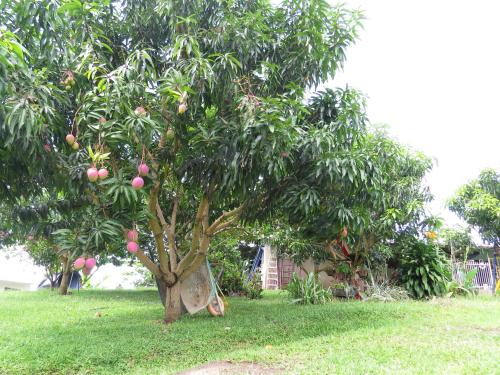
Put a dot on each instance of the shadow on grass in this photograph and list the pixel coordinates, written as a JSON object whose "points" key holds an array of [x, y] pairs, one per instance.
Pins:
{"points": [[134, 295], [130, 334]]}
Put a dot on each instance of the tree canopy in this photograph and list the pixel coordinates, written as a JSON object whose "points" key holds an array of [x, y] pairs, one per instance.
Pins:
{"points": [[383, 203], [196, 110], [478, 203]]}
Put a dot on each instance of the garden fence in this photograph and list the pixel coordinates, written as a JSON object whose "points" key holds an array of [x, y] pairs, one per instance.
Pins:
{"points": [[484, 276]]}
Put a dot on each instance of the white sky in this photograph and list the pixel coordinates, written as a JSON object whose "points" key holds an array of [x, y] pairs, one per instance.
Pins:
{"points": [[431, 70]]}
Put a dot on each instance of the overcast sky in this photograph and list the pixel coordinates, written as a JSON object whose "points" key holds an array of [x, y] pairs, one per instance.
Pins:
{"points": [[431, 70]]}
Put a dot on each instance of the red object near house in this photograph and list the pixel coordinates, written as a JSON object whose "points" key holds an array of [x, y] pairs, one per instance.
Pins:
{"points": [[343, 247]]}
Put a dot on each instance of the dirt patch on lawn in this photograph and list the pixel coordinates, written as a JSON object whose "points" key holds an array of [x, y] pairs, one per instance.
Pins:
{"points": [[494, 331], [232, 368]]}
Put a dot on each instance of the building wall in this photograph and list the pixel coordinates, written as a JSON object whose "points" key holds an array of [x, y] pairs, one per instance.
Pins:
{"points": [[269, 253], [14, 285]]}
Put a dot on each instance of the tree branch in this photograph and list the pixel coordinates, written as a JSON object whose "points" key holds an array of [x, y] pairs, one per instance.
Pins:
{"points": [[173, 217], [222, 227], [170, 231], [198, 258], [159, 213], [171, 236], [201, 216], [148, 263], [219, 221], [172, 248], [157, 230]]}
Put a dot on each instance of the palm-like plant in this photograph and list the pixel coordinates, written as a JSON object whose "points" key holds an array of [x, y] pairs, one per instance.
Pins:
{"points": [[425, 271], [308, 291]]}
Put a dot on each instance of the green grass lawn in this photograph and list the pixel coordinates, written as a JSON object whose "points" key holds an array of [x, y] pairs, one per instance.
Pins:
{"points": [[43, 333]]}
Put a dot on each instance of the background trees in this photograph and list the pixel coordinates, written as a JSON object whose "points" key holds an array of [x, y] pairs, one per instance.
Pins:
{"points": [[375, 209], [457, 242], [45, 255], [478, 203]]}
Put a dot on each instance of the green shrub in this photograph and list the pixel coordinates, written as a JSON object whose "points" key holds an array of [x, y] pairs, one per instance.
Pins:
{"points": [[424, 269], [308, 291], [226, 261], [253, 288], [465, 287], [379, 256]]}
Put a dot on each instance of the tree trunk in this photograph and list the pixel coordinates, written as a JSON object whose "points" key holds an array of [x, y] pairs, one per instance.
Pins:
{"points": [[52, 277], [162, 290], [63, 288], [173, 305]]}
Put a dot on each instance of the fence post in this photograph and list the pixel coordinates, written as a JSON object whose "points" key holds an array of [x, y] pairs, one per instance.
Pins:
{"points": [[491, 274], [495, 265]]}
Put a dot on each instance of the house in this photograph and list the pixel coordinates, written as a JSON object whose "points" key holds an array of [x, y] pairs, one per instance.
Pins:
{"points": [[276, 272], [6, 285], [17, 271]]}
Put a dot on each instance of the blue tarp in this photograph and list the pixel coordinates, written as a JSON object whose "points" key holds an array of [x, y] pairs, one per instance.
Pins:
{"points": [[75, 281]]}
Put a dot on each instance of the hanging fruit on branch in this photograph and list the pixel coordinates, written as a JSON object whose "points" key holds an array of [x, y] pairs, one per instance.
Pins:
{"points": [[103, 173], [182, 103], [140, 111], [143, 169], [132, 238], [90, 263], [132, 235], [79, 263], [182, 108], [137, 183], [70, 138], [92, 174], [97, 157], [170, 134], [132, 247], [68, 80]]}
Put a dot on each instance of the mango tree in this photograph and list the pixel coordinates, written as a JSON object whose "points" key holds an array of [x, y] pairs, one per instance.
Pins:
{"points": [[188, 116]]}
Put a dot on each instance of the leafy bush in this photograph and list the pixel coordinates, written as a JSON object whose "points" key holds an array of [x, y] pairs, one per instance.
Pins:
{"points": [[308, 291], [253, 288], [226, 261], [385, 292], [462, 287], [424, 269], [344, 269], [379, 256]]}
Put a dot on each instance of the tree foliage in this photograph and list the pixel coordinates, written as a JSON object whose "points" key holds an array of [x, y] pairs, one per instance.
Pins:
{"points": [[478, 203], [209, 94], [456, 241], [45, 255], [382, 201]]}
